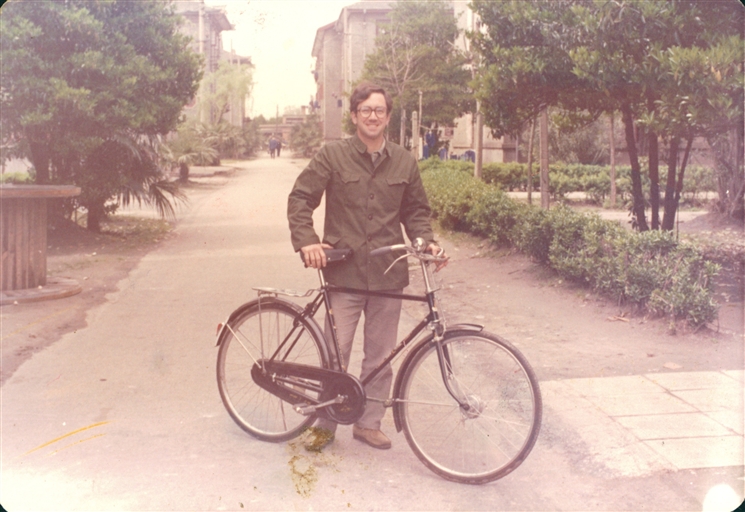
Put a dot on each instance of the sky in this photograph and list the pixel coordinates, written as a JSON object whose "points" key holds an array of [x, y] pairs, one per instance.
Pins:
{"points": [[278, 35]]}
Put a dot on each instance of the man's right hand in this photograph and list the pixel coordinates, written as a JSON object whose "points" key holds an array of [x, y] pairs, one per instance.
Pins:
{"points": [[313, 255]]}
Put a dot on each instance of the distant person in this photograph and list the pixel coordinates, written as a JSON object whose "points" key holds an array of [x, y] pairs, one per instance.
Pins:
{"points": [[279, 147], [372, 188], [273, 146]]}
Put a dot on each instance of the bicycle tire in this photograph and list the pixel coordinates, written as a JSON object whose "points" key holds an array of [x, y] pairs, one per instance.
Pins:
{"points": [[492, 439], [256, 410]]}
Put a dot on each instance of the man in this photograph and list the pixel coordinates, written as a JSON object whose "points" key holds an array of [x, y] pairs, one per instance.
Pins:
{"points": [[372, 187]]}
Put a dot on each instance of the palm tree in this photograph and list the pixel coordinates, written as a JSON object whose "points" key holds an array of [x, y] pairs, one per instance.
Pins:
{"points": [[127, 169], [192, 146]]}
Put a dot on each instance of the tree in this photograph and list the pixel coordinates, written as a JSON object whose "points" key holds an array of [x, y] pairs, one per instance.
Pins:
{"points": [[704, 99], [524, 65], [87, 89], [416, 52], [588, 57], [228, 86], [307, 138], [649, 44]]}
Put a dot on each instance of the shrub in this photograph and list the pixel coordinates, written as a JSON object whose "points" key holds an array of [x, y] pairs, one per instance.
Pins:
{"points": [[651, 269], [16, 177]]}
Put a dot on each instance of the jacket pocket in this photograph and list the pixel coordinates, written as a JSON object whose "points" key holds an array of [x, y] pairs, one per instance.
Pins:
{"points": [[397, 180], [348, 177], [331, 239]]}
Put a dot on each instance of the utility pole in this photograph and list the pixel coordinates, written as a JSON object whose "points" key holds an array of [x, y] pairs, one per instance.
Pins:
{"points": [[419, 123], [415, 133], [200, 35]]}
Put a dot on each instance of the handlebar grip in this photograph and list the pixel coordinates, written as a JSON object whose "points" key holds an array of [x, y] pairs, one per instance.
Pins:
{"points": [[333, 255]]}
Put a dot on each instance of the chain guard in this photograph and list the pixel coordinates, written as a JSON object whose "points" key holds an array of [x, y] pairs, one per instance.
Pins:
{"points": [[293, 382]]}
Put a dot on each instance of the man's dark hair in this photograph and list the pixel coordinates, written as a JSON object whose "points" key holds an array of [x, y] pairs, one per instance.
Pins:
{"points": [[363, 91]]}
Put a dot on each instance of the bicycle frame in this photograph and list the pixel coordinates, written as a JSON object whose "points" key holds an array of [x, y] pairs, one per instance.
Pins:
{"points": [[433, 320]]}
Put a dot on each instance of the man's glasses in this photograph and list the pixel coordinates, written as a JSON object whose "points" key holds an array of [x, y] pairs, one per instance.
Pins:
{"points": [[367, 111]]}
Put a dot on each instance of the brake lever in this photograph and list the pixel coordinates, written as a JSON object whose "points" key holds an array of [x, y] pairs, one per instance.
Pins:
{"points": [[396, 261]]}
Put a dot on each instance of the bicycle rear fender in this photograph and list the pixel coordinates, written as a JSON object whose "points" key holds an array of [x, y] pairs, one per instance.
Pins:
{"points": [[452, 330], [222, 328]]}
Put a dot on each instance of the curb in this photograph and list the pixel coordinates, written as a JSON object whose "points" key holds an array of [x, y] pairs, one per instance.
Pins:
{"points": [[56, 288]]}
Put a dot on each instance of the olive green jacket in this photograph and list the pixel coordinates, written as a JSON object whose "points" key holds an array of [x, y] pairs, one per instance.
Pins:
{"points": [[365, 208]]}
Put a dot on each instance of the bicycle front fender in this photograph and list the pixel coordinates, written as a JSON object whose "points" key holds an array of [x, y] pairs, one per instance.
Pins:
{"points": [[452, 330]]}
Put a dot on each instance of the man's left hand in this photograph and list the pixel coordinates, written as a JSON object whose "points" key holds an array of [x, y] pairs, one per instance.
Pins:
{"points": [[436, 250]]}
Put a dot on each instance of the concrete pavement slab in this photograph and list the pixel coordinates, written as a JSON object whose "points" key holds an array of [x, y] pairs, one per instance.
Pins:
{"points": [[702, 452], [720, 399], [614, 386], [667, 426], [693, 380], [630, 405], [638, 424], [738, 375], [733, 420]]}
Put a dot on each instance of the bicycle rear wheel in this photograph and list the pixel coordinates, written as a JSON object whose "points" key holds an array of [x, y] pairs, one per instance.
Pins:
{"points": [[499, 429], [255, 334]]}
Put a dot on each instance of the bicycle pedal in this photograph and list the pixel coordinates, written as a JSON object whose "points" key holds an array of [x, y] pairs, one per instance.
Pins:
{"points": [[305, 410]]}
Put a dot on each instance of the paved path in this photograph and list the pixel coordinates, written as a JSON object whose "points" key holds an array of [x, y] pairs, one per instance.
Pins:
{"points": [[125, 415], [640, 424]]}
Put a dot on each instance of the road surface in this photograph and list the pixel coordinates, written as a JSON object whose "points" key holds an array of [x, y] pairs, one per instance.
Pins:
{"points": [[124, 414]]}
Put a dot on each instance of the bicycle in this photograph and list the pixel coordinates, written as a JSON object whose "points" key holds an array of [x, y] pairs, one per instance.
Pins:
{"points": [[467, 400]]}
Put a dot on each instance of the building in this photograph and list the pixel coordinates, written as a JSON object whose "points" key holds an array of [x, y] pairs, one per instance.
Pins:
{"points": [[283, 130], [340, 49], [205, 25]]}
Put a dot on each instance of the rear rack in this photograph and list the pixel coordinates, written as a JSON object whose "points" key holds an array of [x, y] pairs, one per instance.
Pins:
{"points": [[288, 293]]}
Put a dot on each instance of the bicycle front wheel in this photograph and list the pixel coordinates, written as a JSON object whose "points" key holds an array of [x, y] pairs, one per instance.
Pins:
{"points": [[496, 432], [254, 334]]}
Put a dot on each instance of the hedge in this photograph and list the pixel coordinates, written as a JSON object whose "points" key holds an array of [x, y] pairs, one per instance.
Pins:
{"points": [[593, 180], [650, 270]]}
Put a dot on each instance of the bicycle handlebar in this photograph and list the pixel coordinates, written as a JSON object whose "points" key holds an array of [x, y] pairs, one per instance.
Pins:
{"points": [[411, 251], [388, 248]]}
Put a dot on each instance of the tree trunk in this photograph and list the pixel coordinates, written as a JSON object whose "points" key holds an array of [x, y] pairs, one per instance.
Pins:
{"points": [[612, 163], [654, 178], [640, 222], [530, 161], [183, 173], [479, 146], [94, 218], [668, 221], [545, 201], [681, 174], [40, 160]]}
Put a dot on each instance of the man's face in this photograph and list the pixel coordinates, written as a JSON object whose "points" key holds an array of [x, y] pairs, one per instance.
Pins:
{"points": [[371, 127]]}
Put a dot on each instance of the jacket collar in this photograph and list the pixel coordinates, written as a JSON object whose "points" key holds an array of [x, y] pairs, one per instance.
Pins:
{"points": [[362, 147]]}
